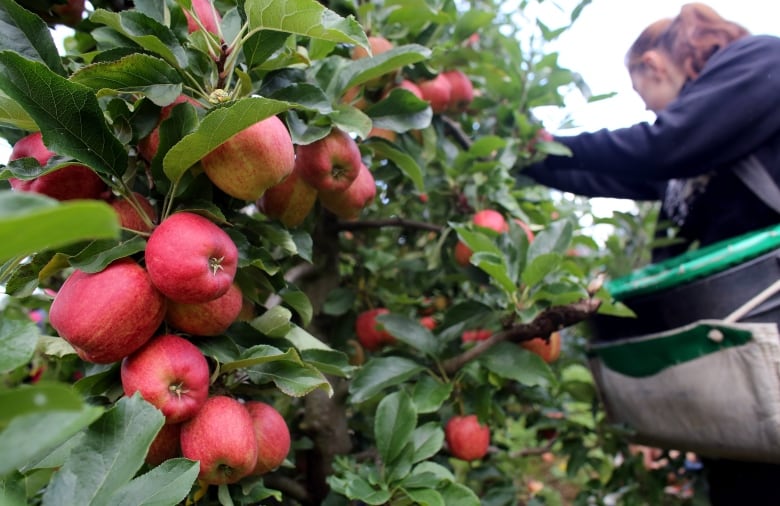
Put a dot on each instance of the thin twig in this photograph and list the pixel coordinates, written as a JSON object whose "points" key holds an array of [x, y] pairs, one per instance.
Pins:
{"points": [[548, 321]]}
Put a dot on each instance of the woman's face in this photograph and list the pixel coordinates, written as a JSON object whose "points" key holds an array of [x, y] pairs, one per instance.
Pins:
{"points": [[658, 81]]}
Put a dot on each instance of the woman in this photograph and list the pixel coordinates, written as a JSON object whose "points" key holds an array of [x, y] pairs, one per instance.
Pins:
{"points": [[715, 90]]}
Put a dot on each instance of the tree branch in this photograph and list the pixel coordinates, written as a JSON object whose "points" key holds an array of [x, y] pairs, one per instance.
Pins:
{"points": [[391, 222], [460, 136], [548, 321]]}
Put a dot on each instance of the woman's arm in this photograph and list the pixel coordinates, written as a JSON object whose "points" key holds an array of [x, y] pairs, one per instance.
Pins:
{"points": [[589, 184]]}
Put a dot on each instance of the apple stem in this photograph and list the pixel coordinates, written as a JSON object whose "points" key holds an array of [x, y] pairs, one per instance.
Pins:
{"points": [[178, 389], [215, 264]]}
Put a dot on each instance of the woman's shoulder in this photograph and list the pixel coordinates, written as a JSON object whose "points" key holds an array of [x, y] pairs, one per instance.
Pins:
{"points": [[750, 53], [755, 43]]}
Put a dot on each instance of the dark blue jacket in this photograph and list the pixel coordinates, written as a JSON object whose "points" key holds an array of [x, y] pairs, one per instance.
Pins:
{"points": [[685, 158]]}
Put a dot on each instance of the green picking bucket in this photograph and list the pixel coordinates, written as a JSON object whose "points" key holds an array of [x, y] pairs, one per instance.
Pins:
{"points": [[710, 283], [699, 367]]}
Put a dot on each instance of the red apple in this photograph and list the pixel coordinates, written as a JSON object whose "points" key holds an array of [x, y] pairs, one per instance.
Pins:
{"points": [[411, 86], [165, 445], [370, 333], [251, 161], [437, 91], [548, 350], [108, 315], [461, 90], [147, 147], [70, 182], [290, 201], [466, 438], [348, 204], [383, 133], [221, 437], [69, 13], [378, 45], [429, 322], [331, 163], [273, 436], [206, 318], [475, 335], [169, 372], [130, 218], [206, 13], [487, 218], [190, 259], [527, 229]]}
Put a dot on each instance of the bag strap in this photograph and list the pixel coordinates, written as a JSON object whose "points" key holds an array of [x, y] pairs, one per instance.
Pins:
{"points": [[754, 175]]}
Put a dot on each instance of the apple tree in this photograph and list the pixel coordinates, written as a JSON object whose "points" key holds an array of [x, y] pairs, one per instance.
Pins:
{"points": [[282, 252]]}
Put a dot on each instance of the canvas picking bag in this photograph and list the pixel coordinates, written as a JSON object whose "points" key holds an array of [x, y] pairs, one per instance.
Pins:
{"points": [[699, 368]]}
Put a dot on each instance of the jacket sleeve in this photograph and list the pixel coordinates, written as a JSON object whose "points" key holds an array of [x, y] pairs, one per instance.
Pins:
{"points": [[589, 184], [725, 114]]}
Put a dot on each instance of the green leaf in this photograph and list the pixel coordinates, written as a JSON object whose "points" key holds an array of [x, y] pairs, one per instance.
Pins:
{"points": [[429, 394], [542, 265], [338, 301], [275, 322], [137, 73], [14, 115], [365, 69], [113, 450], [309, 96], [169, 483], [555, 238], [304, 17], [27, 34], [18, 338], [291, 378], [299, 301], [146, 32], [12, 492], [31, 223], [351, 119], [510, 361], [51, 429], [331, 362], [410, 331], [358, 488], [61, 109], [455, 494], [381, 373], [428, 440], [402, 160], [478, 239], [401, 111], [470, 22], [260, 354], [303, 340], [394, 424], [217, 127], [37, 399], [97, 256], [425, 497], [496, 268], [262, 45]]}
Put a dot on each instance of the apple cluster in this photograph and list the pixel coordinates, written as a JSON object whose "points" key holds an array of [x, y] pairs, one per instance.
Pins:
{"points": [[329, 170], [450, 91]]}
